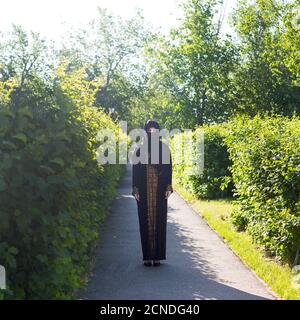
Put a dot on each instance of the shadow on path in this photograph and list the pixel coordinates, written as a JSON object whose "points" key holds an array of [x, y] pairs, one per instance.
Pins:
{"points": [[198, 266]]}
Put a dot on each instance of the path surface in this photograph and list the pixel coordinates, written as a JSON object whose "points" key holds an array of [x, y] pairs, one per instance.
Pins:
{"points": [[199, 264]]}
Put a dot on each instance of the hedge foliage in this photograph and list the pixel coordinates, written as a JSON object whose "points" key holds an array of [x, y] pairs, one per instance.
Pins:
{"points": [[54, 195], [265, 152], [257, 161], [215, 180]]}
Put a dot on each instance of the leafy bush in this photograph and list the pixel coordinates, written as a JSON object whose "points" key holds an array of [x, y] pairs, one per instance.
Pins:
{"points": [[265, 152], [258, 162], [215, 180], [54, 195]]}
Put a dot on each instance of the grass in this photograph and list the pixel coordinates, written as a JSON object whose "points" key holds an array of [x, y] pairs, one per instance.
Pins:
{"points": [[216, 212]]}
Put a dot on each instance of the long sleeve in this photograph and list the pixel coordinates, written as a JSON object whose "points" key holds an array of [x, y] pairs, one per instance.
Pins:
{"points": [[136, 175], [169, 186], [135, 178]]}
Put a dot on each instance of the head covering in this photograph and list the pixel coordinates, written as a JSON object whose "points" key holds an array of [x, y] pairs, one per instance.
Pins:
{"points": [[151, 124]]}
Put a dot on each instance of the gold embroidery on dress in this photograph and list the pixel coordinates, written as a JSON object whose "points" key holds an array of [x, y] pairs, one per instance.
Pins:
{"points": [[152, 184]]}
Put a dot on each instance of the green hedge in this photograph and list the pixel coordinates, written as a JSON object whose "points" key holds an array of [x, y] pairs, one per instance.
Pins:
{"points": [[265, 152], [257, 161], [54, 195], [215, 180]]}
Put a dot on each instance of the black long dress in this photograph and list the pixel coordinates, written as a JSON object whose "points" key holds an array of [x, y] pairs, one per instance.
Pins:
{"points": [[152, 181]]}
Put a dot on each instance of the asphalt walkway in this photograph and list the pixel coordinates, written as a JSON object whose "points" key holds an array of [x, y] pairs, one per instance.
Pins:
{"points": [[199, 264]]}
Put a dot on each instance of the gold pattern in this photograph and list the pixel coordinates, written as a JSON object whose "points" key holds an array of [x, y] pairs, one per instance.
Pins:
{"points": [[152, 184]]}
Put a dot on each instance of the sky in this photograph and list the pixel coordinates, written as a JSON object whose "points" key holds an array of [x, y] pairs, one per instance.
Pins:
{"points": [[53, 18]]}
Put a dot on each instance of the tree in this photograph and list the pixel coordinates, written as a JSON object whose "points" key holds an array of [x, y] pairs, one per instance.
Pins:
{"points": [[195, 64], [264, 79], [110, 48], [27, 65]]}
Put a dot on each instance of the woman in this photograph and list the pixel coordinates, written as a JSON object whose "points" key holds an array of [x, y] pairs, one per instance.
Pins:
{"points": [[151, 187]]}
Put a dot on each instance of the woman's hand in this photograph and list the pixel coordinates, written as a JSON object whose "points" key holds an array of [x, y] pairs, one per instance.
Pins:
{"points": [[167, 194], [136, 193], [169, 191], [137, 196]]}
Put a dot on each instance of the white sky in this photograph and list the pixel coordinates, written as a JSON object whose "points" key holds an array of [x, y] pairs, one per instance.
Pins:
{"points": [[53, 17]]}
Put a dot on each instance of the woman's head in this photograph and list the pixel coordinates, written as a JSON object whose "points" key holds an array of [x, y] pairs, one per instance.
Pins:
{"points": [[152, 129], [151, 126]]}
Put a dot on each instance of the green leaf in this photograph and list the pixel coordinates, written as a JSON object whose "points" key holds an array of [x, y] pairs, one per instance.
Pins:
{"points": [[46, 169], [8, 145], [58, 161], [21, 137]]}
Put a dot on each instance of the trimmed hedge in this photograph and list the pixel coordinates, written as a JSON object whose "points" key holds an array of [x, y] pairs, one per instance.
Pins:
{"points": [[215, 181], [257, 161], [54, 195], [265, 152]]}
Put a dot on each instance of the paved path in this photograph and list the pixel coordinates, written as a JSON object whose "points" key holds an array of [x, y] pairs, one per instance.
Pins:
{"points": [[199, 265]]}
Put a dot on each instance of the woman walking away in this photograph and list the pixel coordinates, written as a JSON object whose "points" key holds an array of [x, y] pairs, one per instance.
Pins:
{"points": [[151, 187]]}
